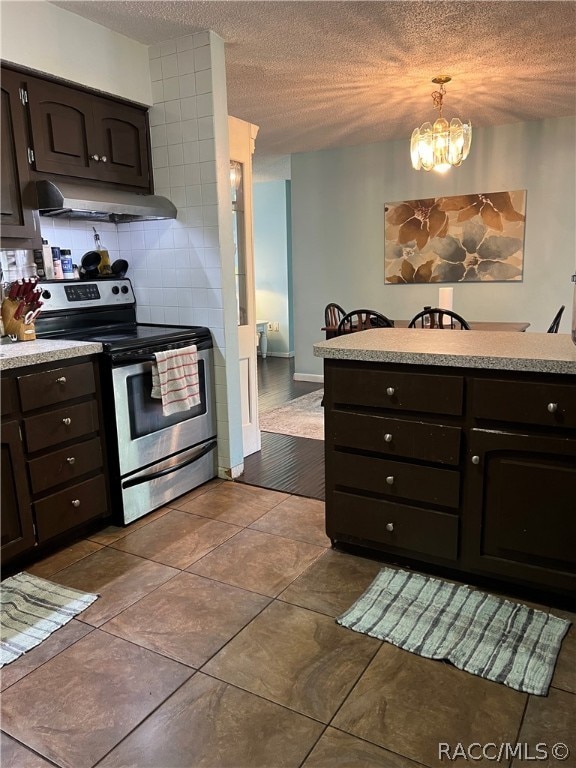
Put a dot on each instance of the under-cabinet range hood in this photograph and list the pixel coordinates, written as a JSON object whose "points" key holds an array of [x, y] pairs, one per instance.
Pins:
{"points": [[81, 201]]}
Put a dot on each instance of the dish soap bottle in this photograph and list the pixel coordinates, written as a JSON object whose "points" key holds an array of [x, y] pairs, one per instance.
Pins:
{"points": [[104, 268]]}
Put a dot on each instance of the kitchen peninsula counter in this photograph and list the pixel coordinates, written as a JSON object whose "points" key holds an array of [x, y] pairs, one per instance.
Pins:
{"points": [[455, 451], [24, 353], [538, 352]]}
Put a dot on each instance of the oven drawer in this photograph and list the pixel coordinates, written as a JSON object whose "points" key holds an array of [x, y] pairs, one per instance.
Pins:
{"points": [[71, 507], [395, 437], [65, 465], [397, 527], [56, 386], [395, 479], [60, 426]]}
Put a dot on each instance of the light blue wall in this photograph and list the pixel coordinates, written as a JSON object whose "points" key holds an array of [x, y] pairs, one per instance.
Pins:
{"points": [[338, 199], [271, 262]]}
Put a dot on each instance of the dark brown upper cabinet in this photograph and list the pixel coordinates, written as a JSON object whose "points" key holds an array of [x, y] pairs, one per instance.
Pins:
{"points": [[18, 218], [82, 135]]}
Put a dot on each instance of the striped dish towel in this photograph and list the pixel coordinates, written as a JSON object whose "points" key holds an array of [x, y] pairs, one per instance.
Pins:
{"points": [[175, 379]]}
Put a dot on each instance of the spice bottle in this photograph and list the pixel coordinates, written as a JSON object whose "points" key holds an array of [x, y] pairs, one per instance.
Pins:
{"points": [[104, 268], [57, 263], [47, 258], [66, 262]]}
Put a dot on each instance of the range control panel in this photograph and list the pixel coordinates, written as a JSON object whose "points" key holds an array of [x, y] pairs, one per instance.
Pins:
{"points": [[78, 294]]}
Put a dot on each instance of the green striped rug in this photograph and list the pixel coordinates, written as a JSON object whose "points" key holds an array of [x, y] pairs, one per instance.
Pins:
{"points": [[31, 609], [480, 633]]}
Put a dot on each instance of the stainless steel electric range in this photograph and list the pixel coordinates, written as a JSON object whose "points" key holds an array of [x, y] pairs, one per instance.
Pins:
{"points": [[152, 458]]}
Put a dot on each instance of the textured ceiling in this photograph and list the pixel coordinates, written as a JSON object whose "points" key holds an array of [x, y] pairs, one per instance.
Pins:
{"points": [[318, 75]]}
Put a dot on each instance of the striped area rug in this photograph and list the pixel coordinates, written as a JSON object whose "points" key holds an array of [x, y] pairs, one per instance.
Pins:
{"points": [[31, 609], [480, 633]]}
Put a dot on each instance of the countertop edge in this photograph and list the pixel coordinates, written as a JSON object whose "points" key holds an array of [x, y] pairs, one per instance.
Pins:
{"points": [[27, 353]]}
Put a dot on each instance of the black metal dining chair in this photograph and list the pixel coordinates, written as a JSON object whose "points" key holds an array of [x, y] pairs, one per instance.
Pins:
{"points": [[433, 317], [555, 324], [362, 320], [333, 313]]}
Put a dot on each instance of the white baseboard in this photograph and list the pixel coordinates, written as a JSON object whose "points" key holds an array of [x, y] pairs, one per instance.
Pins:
{"points": [[314, 377]]}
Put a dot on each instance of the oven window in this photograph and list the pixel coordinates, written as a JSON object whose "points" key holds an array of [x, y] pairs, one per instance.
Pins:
{"points": [[146, 415]]}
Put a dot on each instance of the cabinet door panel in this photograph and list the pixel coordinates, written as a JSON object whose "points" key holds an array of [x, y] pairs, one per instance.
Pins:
{"points": [[61, 121], [121, 132], [521, 504], [16, 518], [16, 208]]}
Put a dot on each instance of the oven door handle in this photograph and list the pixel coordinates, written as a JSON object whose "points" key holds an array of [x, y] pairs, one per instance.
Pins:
{"points": [[139, 480]]}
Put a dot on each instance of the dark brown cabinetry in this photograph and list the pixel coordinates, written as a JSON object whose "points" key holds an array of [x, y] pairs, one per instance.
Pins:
{"points": [[53, 478], [464, 470], [18, 218], [82, 135]]}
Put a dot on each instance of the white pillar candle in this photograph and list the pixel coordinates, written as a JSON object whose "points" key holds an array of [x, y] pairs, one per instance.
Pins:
{"points": [[445, 296]]}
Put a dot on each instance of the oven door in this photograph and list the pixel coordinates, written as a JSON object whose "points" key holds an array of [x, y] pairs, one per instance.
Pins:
{"points": [[145, 435]]}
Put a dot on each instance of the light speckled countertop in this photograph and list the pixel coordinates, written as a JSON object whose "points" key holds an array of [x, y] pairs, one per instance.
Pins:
{"points": [[510, 351], [20, 353]]}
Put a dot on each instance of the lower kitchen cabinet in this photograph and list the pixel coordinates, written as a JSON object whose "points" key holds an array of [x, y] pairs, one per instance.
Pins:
{"points": [[53, 464], [17, 525], [522, 506], [466, 471]]}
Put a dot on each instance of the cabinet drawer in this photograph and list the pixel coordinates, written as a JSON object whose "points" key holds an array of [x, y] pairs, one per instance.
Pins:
{"points": [[52, 428], [524, 402], [414, 531], [75, 505], [398, 391], [395, 479], [394, 437], [56, 386], [65, 465]]}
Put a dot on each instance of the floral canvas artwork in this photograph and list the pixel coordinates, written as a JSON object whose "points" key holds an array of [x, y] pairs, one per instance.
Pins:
{"points": [[465, 238]]}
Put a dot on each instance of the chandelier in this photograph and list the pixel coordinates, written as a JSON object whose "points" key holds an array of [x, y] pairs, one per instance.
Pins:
{"points": [[437, 147]]}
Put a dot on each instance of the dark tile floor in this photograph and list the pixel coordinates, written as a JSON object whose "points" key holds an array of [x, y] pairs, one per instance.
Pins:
{"points": [[213, 644]]}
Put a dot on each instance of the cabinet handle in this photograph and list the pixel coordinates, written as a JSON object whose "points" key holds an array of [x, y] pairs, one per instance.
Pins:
{"points": [[390, 527], [95, 157], [387, 437], [552, 407], [71, 460], [67, 421], [390, 391], [104, 159], [475, 459], [390, 479], [75, 502], [61, 380]]}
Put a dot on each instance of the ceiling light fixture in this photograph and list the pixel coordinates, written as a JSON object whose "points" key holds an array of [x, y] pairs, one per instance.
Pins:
{"points": [[437, 147]]}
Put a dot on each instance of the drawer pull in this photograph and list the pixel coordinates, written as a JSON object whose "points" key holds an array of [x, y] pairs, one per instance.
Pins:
{"points": [[390, 527], [387, 437], [71, 460], [67, 421], [389, 391], [552, 407], [95, 157], [75, 502], [103, 159], [61, 380], [390, 479], [475, 459]]}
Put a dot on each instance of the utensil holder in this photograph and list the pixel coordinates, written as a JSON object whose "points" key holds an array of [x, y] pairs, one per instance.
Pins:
{"points": [[16, 327]]}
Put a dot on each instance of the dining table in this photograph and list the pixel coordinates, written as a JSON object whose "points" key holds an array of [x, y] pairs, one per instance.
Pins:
{"points": [[475, 325]]}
